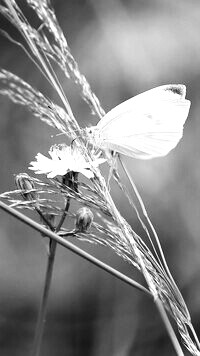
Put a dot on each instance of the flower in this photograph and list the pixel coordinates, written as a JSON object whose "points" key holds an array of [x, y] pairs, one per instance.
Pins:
{"points": [[63, 159]]}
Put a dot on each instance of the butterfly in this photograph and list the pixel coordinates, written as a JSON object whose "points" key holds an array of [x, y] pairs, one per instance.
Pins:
{"points": [[146, 126]]}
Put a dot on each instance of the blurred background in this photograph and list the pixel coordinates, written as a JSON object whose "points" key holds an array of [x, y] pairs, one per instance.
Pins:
{"points": [[123, 48]]}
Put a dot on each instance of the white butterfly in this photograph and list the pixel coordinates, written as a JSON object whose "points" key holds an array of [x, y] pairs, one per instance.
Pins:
{"points": [[146, 126]]}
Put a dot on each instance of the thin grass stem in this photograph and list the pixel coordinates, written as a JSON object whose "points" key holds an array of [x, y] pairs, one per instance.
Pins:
{"points": [[151, 225], [157, 300], [168, 326], [194, 335]]}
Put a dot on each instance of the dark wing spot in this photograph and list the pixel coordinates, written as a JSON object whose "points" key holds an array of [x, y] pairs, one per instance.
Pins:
{"points": [[176, 89]]}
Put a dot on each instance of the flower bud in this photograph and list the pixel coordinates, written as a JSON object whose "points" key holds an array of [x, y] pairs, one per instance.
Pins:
{"points": [[26, 185], [84, 218]]}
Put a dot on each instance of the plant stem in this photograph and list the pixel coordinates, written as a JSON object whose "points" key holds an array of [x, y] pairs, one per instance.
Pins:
{"points": [[62, 219], [44, 219], [157, 301], [48, 278], [194, 335], [163, 264], [43, 306], [168, 327], [144, 211], [75, 249]]}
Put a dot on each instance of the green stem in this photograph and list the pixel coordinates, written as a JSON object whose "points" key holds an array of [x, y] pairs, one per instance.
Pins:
{"points": [[163, 264], [44, 219], [48, 278], [194, 335], [144, 211], [63, 215], [44, 301], [157, 301], [168, 327]]}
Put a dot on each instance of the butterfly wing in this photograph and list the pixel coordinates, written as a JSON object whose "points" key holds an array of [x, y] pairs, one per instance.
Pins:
{"points": [[148, 125]]}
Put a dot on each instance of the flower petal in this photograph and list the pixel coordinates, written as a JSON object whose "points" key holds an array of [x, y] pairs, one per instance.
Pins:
{"points": [[64, 159]]}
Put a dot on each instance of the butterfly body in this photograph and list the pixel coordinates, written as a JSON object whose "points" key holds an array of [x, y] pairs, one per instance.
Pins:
{"points": [[146, 126]]}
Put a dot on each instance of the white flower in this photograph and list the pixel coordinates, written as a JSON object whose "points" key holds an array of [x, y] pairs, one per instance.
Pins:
{"points": [[63, 159]]}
